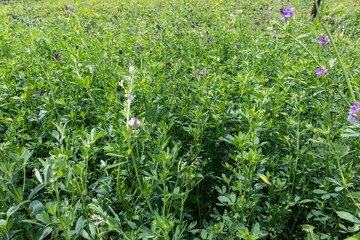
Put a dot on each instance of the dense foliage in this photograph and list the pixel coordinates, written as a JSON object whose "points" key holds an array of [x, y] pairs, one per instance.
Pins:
{"points": [[179, 119]]}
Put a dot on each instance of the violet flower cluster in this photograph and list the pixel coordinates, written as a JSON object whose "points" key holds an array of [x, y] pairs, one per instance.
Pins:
{"points": [[130, 97], [69, 9], [321, 72], [287, 13], [354, 113], [198, 159], [134, 124], [201, 72], [323, 40]]}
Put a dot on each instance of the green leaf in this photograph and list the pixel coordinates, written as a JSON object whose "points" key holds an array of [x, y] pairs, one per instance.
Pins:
{"points": [[36, 190], [2, 223], [132, 225], [307, 228], [336, 10], [304, 35], [85, 234], [223, 199], [43, 233], [348, 216], [79, 224], [355, 195], [43, 217], [37, 207], [12, 210], [51, 207], [115, 165], [38, 175], [354, 237]]}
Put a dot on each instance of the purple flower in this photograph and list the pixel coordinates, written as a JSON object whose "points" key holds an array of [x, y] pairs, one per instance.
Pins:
{"points": [[69, 9], [192, 26], [287, 13], [323, 40], [40, 92], [134, 124], [57, 56], [208, 40], [262, 22], [156, 37], [178, 35], [97, 223], [255, 23], [30, 8], [131, 62], [120, 52], [139, 46], [178, 28], [354, 113], [181, 62], [195, 73], [26, 23], [130, 98], [198, 159], [321, 72]]}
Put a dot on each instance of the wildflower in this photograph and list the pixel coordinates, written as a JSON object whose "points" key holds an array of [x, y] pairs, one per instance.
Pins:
{"points": [[69, 9], [181, 62], [195, 73], [208, 40], [130, 97], [178, 35], [156, 37], [139, 46], [57, 56], [192, 26], [198, 159], [323, 40], [97, 223], [287, 13], [354, 113], [40, 92], [131, 62], [120, 52], [134, 124], [91, 70], [30, 8], [321, 72], [26, 23]]}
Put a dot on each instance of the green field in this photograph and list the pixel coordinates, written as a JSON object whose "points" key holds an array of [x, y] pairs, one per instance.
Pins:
{"points": [[181, 119]]}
